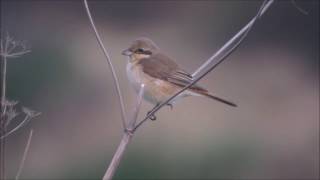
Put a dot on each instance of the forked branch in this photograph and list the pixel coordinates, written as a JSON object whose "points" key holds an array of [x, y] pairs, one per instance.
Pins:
{"points": [[114, 75], [125, 139], [130, 127]]}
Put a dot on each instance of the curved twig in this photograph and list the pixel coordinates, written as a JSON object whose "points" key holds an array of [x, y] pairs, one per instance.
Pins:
{"points": [[125, 139], [294, 3], [20, 125], [264, 7], [114, 75], [24, 157]]}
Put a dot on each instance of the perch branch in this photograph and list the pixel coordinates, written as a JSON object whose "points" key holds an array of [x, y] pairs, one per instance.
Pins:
{"points": [[266, 4], [125, 139], [230, 42], [114, 75]]}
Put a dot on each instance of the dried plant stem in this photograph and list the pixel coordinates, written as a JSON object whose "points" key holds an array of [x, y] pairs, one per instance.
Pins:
{"points": [[21, 124], [212, 59], [114, 75], [24, 157], [126, 125], [3, 111], [125, 139], [3, 85], [9, 48], [117, 156]]}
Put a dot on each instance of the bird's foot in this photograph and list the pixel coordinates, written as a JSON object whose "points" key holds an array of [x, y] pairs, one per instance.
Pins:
{"points": [[170, 105], [129, 131], [152, 116]]}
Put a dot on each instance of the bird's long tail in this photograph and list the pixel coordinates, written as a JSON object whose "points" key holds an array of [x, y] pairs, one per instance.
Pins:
{"points": [[219, 99], [205, 93]]}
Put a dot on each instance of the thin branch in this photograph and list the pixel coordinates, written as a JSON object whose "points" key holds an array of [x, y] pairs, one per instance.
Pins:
{"points": [[114, 75], [294, 3], [266, 4], [20, 125], [3, 109], [24, 157], [136, 110], [125, 139], [3, 84], [18, 54], [117, 156], [231, 41]]}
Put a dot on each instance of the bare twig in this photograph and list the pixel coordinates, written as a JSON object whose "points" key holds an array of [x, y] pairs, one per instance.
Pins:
{"points": [[24, 157], [117, 156], [29, 114], [218, 61], [114, 75], [3, 84], [294, 3], [21, 124], [3, 62], [213, 59], [125, 139], [136, 110]]}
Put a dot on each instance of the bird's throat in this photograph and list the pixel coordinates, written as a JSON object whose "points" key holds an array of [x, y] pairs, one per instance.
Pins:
{"points": [[135, 58]]}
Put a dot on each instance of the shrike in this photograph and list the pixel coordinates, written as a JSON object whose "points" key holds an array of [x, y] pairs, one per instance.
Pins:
{"points": [[161, 75]]}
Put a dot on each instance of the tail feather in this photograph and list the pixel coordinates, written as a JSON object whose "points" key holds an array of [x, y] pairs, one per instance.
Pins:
{"points": [[206, 93], [220, 100]]}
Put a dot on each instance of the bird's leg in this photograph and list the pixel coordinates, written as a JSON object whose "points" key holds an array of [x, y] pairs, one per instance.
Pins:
{"points": [[170, 105], [153, 117]]}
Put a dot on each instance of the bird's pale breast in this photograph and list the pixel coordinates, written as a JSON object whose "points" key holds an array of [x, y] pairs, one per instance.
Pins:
{"points": [[156, 90]]}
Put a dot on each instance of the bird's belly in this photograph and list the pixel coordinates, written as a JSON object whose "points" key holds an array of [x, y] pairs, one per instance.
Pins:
{"points": [[155, 90]]}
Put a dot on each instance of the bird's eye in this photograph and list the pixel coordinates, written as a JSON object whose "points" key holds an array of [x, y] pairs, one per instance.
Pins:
{"points": [[140, 50]]}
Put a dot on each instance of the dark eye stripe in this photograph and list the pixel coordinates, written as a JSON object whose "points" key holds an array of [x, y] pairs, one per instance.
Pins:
{"points": [[142, 51], [139, 50]]}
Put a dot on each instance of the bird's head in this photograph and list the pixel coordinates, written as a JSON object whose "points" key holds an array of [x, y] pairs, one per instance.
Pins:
{"points": [[141, 48]]}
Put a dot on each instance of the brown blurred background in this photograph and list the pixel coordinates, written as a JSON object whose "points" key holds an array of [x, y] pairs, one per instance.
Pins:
{"points": [[273, 77]]}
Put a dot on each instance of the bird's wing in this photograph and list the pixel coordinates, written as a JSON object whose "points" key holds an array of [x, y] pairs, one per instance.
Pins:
{"points": [[162, 67]]}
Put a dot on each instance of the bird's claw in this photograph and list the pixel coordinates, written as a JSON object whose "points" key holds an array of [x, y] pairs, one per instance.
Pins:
{"points": [[170, 105], [129, 131], [152, 116]]}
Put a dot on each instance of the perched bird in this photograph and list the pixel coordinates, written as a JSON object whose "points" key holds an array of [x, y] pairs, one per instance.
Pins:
{"points": [[160, 74]]}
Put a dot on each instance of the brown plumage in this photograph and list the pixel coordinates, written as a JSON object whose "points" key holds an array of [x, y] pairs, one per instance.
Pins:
{"points": [[145, 56]]}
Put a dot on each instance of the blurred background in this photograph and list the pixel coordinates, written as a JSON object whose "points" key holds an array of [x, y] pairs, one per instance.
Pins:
{"points": [[273, 77]]}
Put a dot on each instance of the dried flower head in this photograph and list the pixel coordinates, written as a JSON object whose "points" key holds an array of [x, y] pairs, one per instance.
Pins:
{"points": [[10, 103], [11, 48], [30, 113]]}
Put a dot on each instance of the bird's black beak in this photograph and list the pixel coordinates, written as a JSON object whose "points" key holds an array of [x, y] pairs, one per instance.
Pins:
{"points": [[126, 52]]}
